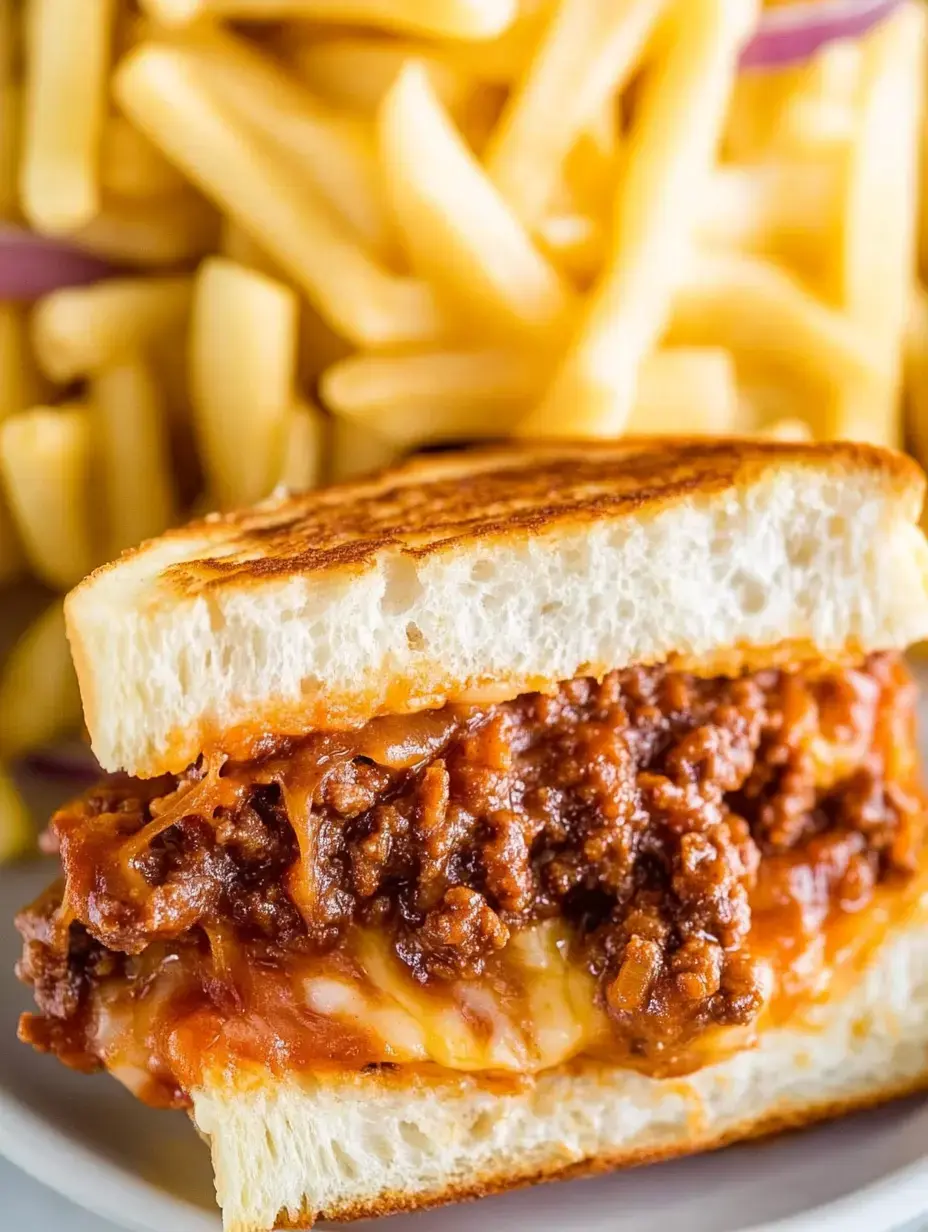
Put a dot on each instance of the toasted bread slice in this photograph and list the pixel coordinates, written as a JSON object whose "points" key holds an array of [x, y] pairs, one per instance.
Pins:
{"points": [[484, 575], [285, 1151]]}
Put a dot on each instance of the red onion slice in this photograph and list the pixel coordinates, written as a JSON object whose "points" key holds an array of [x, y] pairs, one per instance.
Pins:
{"points": [[65, 761], [795, 32], [32, 265]]}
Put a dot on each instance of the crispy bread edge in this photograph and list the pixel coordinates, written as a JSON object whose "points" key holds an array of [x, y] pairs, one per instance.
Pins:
{"points": [[489, 1183]]}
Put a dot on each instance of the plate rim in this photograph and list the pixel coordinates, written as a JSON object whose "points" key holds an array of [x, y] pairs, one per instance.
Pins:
{"points": [[68, 1167]]}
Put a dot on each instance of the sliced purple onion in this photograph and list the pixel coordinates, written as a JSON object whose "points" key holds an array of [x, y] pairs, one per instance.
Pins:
{"points": [[795, 32], [72, 761], [32, 265]]}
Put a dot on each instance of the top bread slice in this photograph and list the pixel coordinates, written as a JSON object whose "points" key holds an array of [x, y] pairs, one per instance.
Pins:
{"points": [[478, 576]]}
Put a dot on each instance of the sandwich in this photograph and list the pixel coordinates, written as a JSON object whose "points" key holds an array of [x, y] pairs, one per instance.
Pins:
{"points": [[507, 816]]}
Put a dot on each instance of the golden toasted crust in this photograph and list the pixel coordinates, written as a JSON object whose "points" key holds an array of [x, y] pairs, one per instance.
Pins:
{"points": [[213, 592], [490, 1182], [441, 502]]}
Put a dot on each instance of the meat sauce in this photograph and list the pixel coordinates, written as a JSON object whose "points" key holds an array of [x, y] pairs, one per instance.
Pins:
{"points": [[672, 846]]}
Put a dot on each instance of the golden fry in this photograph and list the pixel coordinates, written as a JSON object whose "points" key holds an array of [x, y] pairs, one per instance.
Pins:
{"points": [[130, 422], [667, 164], [45, 462], [773, 208], [10, 26], [39, 697], [587, 53], [173, 232], [915, 361], [356, 450], [762, 313], [576, 243], [303, 448], [689, 390], [10, 134], [466, 19], [878, 232], [355, 73], [80, 330], [787, 430], [335, 153], [243, 345], [460, 233], [68, 44], [131, 167], [160, 90], [236, 244], [437, 396], [21, 386]]}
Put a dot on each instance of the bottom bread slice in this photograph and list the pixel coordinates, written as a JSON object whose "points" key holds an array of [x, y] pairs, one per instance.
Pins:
{"points": [[343, 1147]]}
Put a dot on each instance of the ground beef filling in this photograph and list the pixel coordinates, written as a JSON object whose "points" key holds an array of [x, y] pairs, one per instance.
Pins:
{"points": [[656, 812]]}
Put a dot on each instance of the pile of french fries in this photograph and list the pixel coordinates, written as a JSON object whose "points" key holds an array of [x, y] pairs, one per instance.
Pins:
{"points": [[346, 229]]}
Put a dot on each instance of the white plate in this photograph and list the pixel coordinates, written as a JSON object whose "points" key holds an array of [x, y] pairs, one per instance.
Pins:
{"points": [[148, 1171]]}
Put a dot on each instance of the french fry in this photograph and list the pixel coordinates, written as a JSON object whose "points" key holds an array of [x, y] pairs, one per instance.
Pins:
{"points": [[45, 463], [176, 231], [13, 564], [161, 92], [356, 450], [591, 166], [465, 19], [754, 110], [303, 448], [20, 384], [689, 390], [319, 346], [501, 60], [17, 832], [875, 274], [813, 130], [865, 412], [167, 355], [131, 167], [787, 430], [130, 422], [80, 330], [576, 243], [771, 208], [667, 164], [437, 396], [354, 73], [923, 203], [243, 341], [801, 112], [10, 24], [10, 132], [460, 233], [334, 152], [236, 244], [915, 365], [39, 697], [835, 71], [759, 311], [775, 207], [68, 48], [586, 55]]}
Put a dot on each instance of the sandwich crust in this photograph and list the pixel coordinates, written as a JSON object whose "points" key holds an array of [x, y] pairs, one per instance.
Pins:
{"points": [[432, 505], [494, 1181], [493, 573], [407, 1144]]}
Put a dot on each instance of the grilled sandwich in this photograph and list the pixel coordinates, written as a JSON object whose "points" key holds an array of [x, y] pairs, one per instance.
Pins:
{"points": [[510, 815]]}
